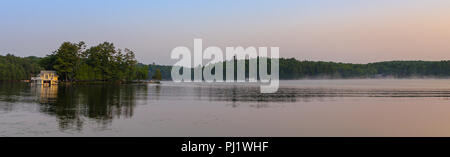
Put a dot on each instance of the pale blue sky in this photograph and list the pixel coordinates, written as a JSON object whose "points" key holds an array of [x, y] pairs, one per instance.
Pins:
{"points": [[345, 30]]}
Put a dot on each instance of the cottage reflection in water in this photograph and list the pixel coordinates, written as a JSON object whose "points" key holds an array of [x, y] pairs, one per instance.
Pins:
{"points": [[46, 94]]}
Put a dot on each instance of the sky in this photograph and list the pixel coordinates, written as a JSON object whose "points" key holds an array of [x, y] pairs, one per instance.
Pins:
{"points": [[353, 31]]}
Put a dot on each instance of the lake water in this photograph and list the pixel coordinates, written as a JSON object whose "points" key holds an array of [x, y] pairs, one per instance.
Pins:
{"points": [[404, 107]]}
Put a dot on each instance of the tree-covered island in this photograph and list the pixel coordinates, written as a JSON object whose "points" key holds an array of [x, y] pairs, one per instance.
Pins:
{"points": [[74, 62]]}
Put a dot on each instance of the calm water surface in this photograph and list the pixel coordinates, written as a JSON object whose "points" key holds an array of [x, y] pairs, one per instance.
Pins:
{"points": [[409, 107]]}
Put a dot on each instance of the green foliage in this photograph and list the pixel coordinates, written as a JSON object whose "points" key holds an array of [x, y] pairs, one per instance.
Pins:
{"points": [[104, 62], [98, 63], [165, 71], [142, 72], [73, 62], [157, 75], [291, 68], [294, 69], [68, 59], [85, 72], [48, 62], [17, 68]]}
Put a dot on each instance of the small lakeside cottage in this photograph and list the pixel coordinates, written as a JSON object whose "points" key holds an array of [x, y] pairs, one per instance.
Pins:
{"points": [[46, 77]]}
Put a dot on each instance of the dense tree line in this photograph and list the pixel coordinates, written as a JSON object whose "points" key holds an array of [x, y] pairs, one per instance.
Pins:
{"points": [[294, 69], [76, 62], [17, 68], [291, 68], [164, 71], [73, 62]]}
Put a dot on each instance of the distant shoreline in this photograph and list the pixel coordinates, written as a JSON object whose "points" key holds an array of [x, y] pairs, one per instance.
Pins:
{"points": [[289, 69], [93, 82], [160, 82]]}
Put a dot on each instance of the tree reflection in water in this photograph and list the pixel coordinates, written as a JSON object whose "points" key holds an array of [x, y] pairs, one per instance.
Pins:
{"points": [[101, 103], [78, 106]]}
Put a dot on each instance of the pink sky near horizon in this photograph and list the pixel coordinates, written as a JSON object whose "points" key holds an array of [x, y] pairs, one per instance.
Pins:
{"points": [[326, 30]]}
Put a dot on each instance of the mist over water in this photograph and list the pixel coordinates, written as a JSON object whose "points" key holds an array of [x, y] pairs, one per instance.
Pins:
{"points": [[353, 107]]}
